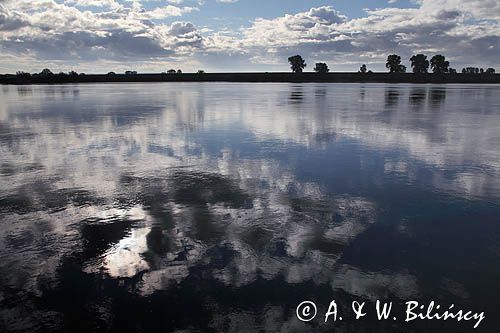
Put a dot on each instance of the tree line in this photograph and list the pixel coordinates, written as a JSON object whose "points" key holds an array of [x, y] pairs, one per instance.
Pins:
{"points": [[48, 73], [419, 64]]}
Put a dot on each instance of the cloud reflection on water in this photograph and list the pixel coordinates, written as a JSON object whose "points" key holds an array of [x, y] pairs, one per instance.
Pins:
{"points": [[149, 184]]}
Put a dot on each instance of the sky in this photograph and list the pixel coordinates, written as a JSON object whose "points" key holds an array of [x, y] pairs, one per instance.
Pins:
{"points": [[98, 36]]}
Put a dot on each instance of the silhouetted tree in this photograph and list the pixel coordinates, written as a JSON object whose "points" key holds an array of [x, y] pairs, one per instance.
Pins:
{"points": [[23, 74], [362, 69], [179, 71], [419, 63], [201, 71], [46, 72], [470, 70], [297, 63], [490, 71], [171, 71], [452, 71], [130, 72], [439, 64], [394, 64], [321, 67], [73, 73], [111, 73]]}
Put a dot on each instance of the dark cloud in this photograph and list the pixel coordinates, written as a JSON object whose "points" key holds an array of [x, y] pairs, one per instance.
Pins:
{"points": [[9, 21], [89, 46], [448, 15]]}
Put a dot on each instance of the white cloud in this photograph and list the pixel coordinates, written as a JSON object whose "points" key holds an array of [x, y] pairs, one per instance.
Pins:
{"points": [[440, 26], [467, 32], [49, 30]]}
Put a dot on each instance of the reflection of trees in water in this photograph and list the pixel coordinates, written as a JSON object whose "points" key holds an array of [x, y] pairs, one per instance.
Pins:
{"points": [[296, 94], [323, 135], [431, 124], [391, 98], [362, 92], [437, 97], [320, 92], [24, 91], [417, 98]]}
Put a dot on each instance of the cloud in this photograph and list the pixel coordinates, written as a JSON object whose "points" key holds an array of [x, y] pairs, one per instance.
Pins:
{"points": [[55, 31], [477, 9], [315, 25], [162, 12], [467, 32], [11, 21], [95, 3], [446, 26]]}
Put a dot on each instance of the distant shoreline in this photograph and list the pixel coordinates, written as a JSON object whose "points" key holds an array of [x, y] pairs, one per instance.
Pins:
{"points": [[308, 77]]}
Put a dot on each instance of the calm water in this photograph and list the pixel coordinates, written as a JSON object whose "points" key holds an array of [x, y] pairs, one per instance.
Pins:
{"points": [[220, 207]]}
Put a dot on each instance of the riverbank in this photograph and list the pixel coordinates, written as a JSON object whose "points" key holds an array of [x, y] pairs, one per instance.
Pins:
{"points": [[256, 77]]}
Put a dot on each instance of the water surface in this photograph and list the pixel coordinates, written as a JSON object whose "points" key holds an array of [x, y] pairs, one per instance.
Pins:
{"points": [[222, 206]]}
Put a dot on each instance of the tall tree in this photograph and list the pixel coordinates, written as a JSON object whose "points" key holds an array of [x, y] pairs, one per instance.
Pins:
{"points": [[321, 67], [46, 72], [297, 64], [394, 64], [362, 69], [490, 71], [419, 63], [439, 64]]}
